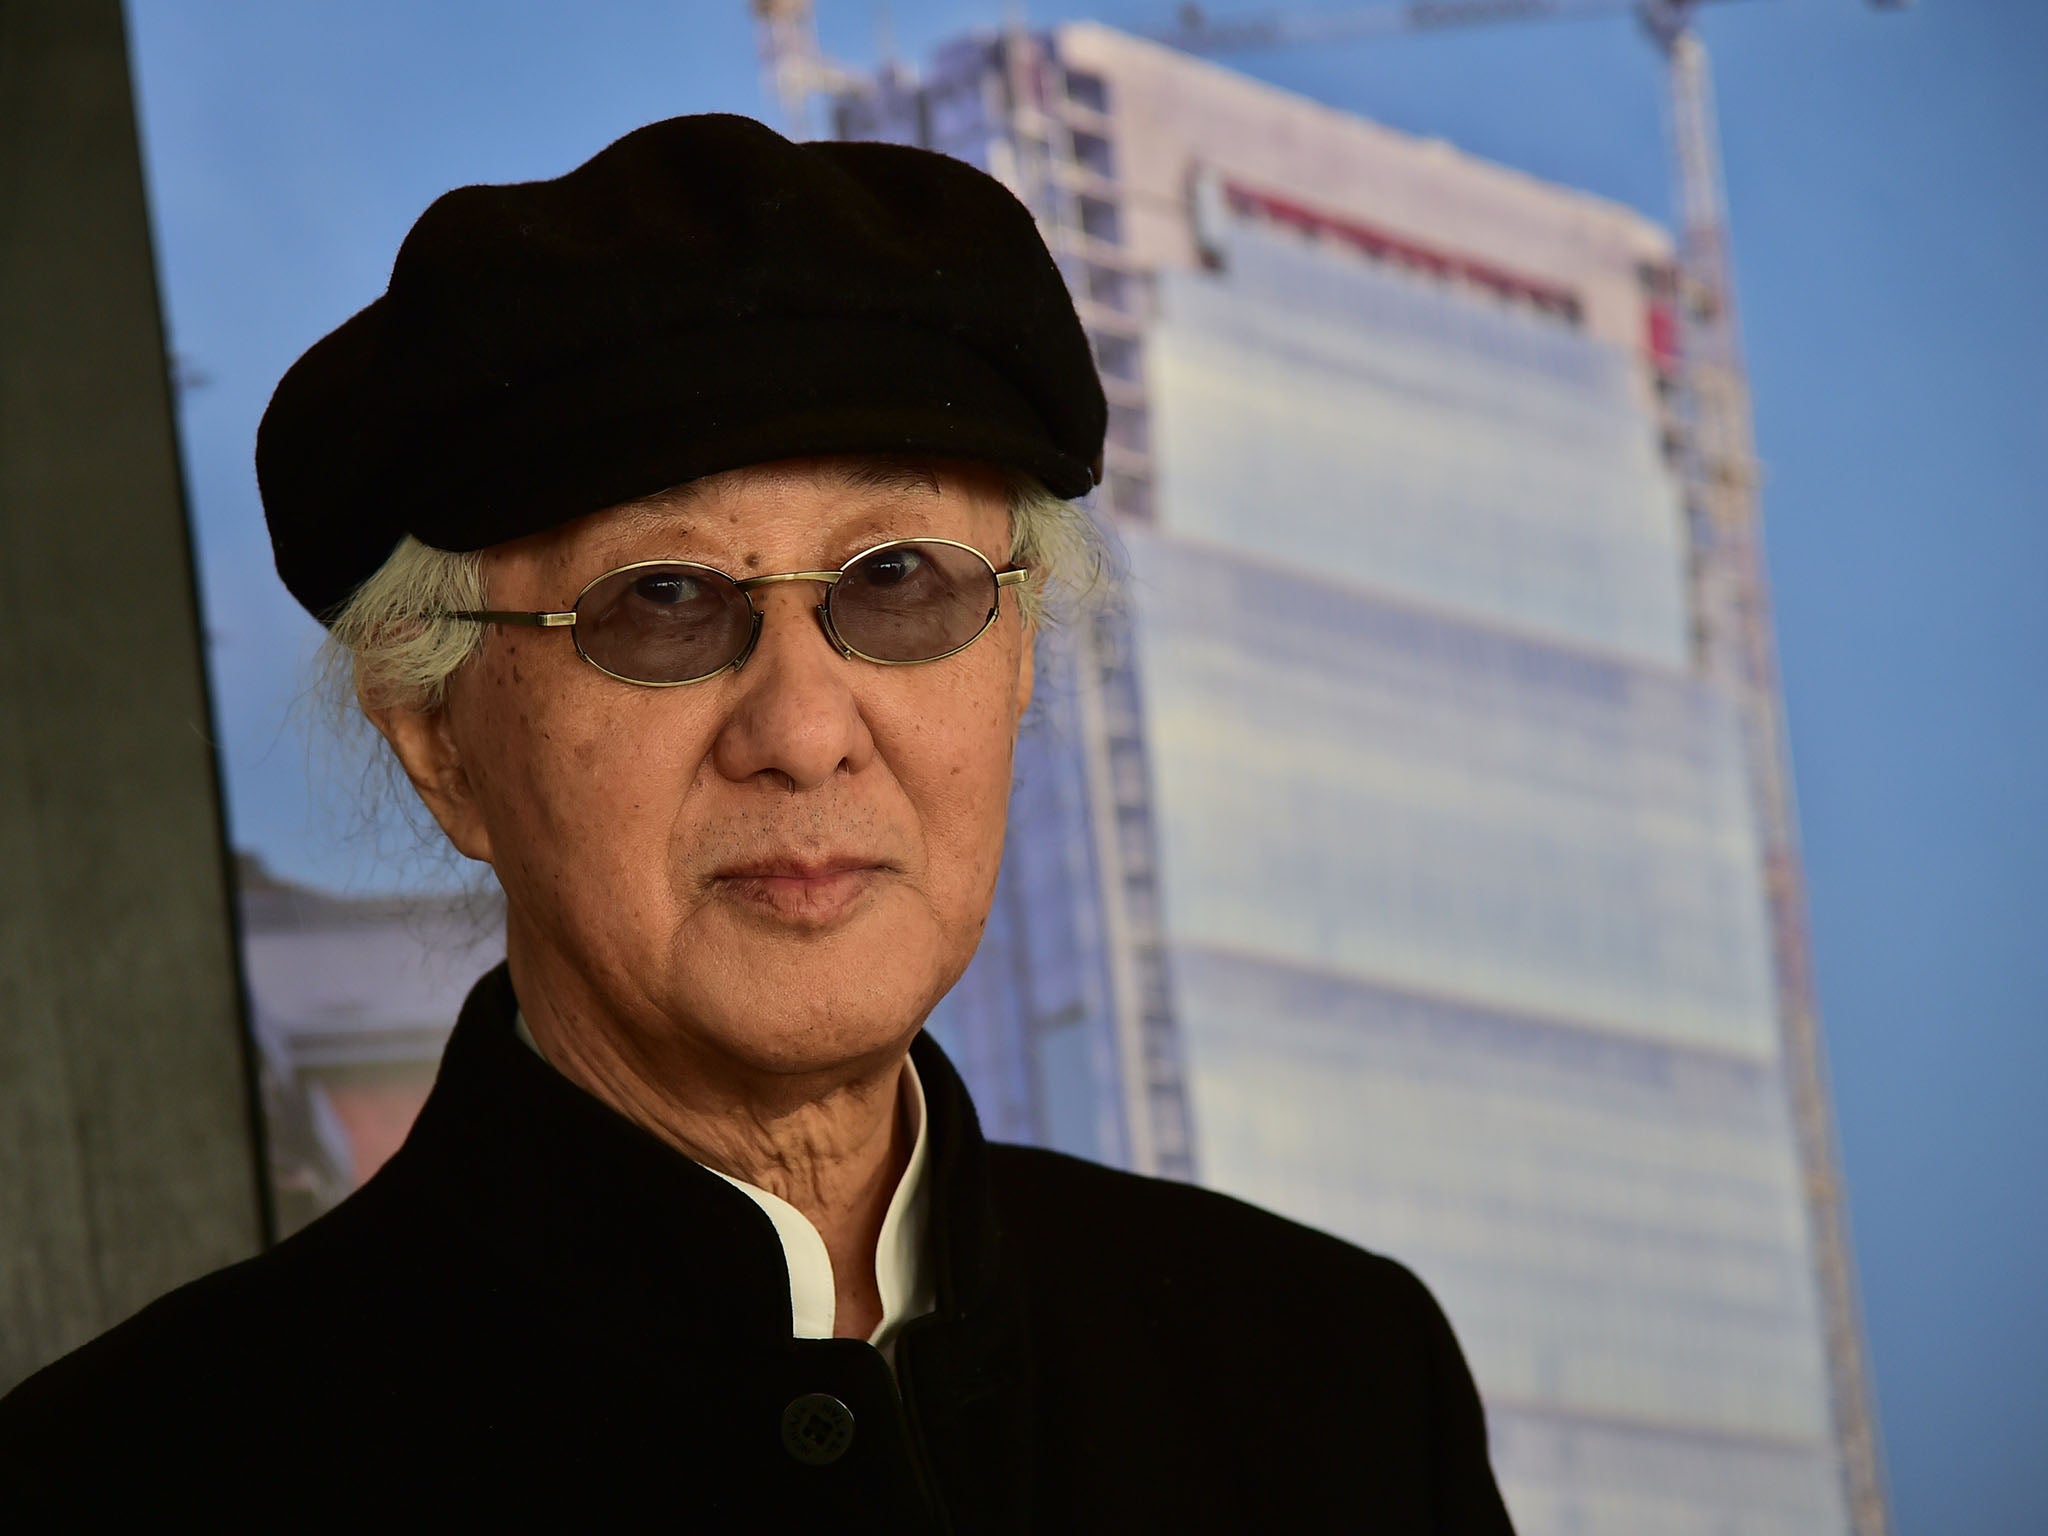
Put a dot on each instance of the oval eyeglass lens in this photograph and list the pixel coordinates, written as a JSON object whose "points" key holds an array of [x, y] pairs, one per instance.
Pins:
{"points": [[913, 601], [663, 623]]}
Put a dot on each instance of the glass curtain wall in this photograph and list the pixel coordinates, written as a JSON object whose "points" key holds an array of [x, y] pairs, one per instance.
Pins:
{"points": [[1461, 876]]}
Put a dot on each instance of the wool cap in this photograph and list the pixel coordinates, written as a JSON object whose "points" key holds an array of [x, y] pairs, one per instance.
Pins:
{"points": [[701, 295]]}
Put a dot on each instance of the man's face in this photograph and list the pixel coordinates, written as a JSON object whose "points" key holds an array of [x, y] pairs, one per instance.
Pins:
{"points": [[784, 866]]}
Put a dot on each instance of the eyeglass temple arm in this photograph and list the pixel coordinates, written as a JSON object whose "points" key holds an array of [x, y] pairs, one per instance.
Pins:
{"points": [[503, 616]]}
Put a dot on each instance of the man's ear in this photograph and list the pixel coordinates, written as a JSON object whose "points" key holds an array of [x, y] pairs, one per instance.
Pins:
{"points": [[424, 740]]}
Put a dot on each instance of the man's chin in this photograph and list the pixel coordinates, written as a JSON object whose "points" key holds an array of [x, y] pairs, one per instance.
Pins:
{"points": [[817, 998], [799, 1044]]}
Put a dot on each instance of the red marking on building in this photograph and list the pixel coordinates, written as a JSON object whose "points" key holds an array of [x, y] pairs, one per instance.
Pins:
{"points": [[1661, 335], [1384, 245]]}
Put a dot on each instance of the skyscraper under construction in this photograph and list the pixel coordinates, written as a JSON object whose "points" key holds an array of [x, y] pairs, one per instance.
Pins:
{"points": [[1391, 858]]}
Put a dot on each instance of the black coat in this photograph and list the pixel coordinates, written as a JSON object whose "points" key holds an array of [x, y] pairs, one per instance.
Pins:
{"points": [[538, 1313]]}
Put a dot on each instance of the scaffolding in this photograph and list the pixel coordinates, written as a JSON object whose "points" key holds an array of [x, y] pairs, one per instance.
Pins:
{"points": [[1045, 122]]}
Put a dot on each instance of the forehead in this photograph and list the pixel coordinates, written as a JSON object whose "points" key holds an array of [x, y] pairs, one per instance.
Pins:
{"points": [[803, 490], [800, 510]]}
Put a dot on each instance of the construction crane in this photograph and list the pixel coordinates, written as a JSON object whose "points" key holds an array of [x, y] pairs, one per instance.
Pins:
{"points": [[795, 72], [1735, 643]]}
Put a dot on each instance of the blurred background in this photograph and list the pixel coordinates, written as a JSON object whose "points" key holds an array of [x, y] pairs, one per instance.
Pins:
{"points": [[1535, 425]]}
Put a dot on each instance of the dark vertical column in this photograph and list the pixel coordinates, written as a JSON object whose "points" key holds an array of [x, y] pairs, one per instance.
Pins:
{"points": [[127, 1155]]}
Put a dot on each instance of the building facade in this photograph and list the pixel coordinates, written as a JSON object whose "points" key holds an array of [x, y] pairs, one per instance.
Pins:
{"points": [[1388, 858], [351, 1001]]}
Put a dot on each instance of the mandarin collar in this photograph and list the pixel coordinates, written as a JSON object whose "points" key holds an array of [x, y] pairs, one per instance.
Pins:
{"points": [[902, 1271], [574, 1194]]}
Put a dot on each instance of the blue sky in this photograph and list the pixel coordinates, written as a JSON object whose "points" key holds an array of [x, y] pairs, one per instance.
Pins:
{"points": [[1889, 212]]}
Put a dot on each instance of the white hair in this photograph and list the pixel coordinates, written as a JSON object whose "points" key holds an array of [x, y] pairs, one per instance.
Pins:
{"points": [[393, 646]]}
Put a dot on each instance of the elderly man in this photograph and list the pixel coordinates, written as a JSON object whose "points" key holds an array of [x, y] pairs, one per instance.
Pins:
{"points": [[684, 522]]}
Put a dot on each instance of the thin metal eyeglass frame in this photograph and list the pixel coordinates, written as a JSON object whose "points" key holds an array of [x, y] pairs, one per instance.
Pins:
{"points": [[566, 618]]}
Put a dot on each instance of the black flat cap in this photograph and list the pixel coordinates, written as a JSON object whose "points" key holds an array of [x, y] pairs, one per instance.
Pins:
{"points": [[701, 295]]}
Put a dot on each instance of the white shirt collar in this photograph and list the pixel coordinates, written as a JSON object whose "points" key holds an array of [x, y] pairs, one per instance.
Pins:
{"points": [[901, 1274]]}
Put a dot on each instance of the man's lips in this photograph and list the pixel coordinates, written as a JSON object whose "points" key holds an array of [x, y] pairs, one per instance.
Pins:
{"points": [[812, 892], [797, 869]]}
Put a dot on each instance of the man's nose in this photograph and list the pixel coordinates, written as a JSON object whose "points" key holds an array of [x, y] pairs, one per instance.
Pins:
{"points": [[795, 717]]}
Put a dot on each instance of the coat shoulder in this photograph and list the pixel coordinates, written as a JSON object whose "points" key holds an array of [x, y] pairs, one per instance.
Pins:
{"points": [[1214, 1340], [222, 1348], [1137, 1228]]}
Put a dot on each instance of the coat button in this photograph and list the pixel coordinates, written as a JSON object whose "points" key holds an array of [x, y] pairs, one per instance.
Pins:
{"points": [[817, 1428]]}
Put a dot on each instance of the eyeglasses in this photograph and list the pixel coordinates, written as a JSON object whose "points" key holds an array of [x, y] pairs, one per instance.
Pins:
{"points": [[663, 623]]}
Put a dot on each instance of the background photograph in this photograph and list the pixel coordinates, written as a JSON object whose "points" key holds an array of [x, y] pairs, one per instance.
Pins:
{"points": [[1562, 798]]}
